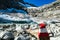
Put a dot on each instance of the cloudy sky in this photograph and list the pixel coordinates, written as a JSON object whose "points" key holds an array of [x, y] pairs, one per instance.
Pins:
{"points": [[39, 2]]}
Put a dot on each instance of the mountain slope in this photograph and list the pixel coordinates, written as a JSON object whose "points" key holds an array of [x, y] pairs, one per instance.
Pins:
{"points": [[46, 10]]}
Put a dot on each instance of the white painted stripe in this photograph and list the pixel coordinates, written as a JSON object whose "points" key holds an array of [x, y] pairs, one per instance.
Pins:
{"points": [[43, 30]]}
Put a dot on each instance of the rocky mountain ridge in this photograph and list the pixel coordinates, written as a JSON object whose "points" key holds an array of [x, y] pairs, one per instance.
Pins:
{"points": [[46, 11]]}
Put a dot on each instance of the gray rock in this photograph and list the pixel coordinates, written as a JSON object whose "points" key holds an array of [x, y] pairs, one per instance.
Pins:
{"points": [[7, 35]]}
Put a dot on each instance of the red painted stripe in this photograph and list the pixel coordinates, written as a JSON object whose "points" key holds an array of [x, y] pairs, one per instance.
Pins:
{"points": [[42, 25], [43, 35]]}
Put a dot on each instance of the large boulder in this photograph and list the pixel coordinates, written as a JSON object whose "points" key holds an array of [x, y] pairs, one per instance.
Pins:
{"points": [[6, 35]]}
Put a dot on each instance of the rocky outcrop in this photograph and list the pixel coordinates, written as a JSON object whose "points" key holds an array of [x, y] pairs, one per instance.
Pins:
{"points": [[51, 10]]}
